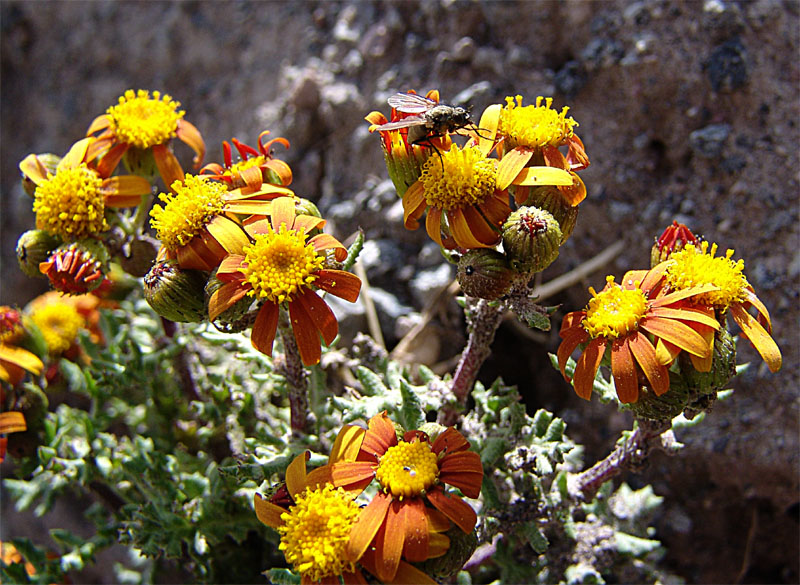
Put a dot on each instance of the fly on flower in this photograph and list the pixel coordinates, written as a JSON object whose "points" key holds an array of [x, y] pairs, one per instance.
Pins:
{"points": [[429, 119]]}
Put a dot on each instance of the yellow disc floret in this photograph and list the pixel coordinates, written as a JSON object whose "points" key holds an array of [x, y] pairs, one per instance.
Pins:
{"points": [[196, 201], [408, 469], [280, 263], [315, 533], [459, 178], [59, 323], [534, 126], [70, 204], [692, 267], [614, 312], [142, 121], [243, 165]]}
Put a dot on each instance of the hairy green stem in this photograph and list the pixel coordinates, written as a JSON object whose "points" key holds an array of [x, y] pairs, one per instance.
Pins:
{"points": [[296, 380]]}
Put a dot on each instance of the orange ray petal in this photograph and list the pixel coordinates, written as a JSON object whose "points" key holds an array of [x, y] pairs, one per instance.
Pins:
{"points": [[703, 315], [389, 542], [586, 368], [380, 436], [449, 441], [496, 209], [572, 338], [349, 474], [22, 358], [511, 166], [462, 230], [267, 512], [229, 265], [339, 283], [282, 212], [252, 177], [479, 227], [415, 539], [307, 223], [574, 194], [490, 119], [110, 159], [76, 154], [537, 176], [464, 471], [666, 352], [571, 320], [652, 276], [758, 336], [305, 333], [327, 242], [645, 355], [347, 444], [125, 185], [317, 478], [680, 295], [12, 422], [32, 168], [168, 166], [438, 544], [224, 298], [366, 526], [296, 474], [409, 575], [190, 135], [760, 307], [283, 170], [414, 204], [678, 333], [247, 207], [320, 313], [433, 225], [623, 369], [454, 508], [265, 327], [101, 122]]}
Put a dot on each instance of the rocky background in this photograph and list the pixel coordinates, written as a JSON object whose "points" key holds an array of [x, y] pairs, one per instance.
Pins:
{"points": [[689, 111]]}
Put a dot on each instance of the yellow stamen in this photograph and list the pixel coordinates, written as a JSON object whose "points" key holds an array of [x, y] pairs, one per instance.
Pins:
{"points": [[614, 312], [59, 324], [69, 204], [316, 530], [242, 165], [280, 263], [692, 267], [534, 126], [196, 201], [459, 178], [408, 469], [143, 122]]}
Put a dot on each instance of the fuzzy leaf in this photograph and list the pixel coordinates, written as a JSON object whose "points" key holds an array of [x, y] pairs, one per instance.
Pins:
{"points": [[534, 536], [411, 415]]}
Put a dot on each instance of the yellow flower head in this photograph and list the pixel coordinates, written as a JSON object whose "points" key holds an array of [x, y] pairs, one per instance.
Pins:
{"points": [[59, 323], [460, 178], [408, 469], [195, 202], [70, 204], [534, 126], [142, 121], [280, 263], [316, 530], [614, 312], [692, 267]]}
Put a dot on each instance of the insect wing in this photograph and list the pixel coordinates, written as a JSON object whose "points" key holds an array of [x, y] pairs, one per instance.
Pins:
{"points": [[404, 123], [411, 103]]}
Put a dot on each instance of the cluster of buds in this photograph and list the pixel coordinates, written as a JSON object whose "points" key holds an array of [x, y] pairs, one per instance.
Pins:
{"points": [[504, 202]]}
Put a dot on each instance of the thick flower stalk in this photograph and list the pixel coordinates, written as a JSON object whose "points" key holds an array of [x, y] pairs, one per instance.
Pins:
{"points": [[253, 168], [642, 328], [282, 265], [71, 203], [695, 266], [406, 517], [140, 128]]}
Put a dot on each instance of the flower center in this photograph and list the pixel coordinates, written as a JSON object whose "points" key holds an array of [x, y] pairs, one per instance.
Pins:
{"points": [[10, 324], [692, 267], [195, 202], [316, 530], [280, 263], [142, 121], [458, 178], [69, 204], [534, 126], [408, 469], [59, 324], [614, 312]]}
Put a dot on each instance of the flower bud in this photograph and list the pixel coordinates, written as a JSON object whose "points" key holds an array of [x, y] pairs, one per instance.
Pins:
{"points": [[550, 199], [141, 162], [230, 317], [33, 248], [77, 267], [484, 273], [664, 407], [673, 239], [531, 237], [176, 293], [49, 161], [462, 545], [305, 207], [723, 367]]}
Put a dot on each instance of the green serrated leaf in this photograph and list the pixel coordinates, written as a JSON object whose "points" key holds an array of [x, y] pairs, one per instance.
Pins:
{"points": [[493, 448], [411, 414], [282, 577], [371, 383], [354, 250]]}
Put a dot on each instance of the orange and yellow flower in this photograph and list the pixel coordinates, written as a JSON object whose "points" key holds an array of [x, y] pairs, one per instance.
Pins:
{"points": [[10, 422], [412, 473], [698, 266], [254, 167], [15, 360], [643, 327], [283, 263], [71, 203], [139, 122]]}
